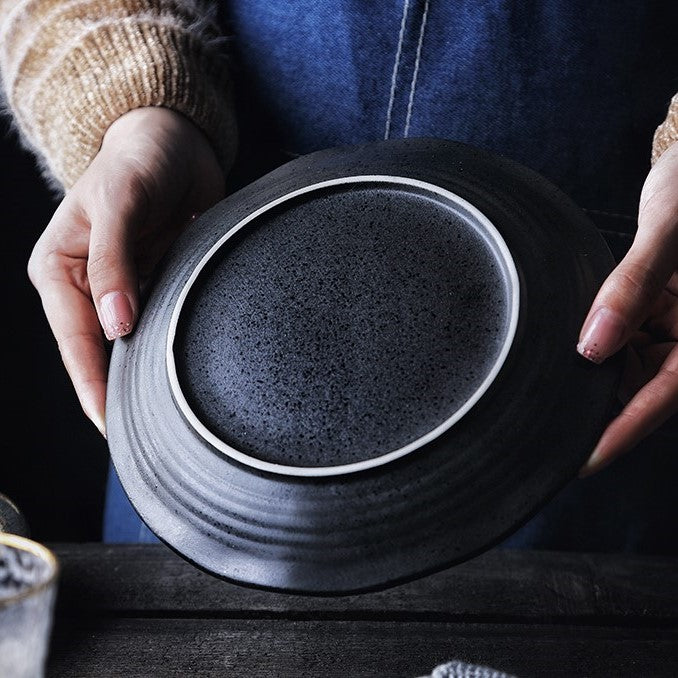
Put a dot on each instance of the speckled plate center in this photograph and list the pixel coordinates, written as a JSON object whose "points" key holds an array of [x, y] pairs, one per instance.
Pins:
{"points": [[343, 326]]}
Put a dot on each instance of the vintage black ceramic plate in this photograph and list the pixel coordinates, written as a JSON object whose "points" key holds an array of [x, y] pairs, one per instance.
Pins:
{"points": [[361, 368]]}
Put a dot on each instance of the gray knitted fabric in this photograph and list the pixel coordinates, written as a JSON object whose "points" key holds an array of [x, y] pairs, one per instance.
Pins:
{"points": [[459, 669]]}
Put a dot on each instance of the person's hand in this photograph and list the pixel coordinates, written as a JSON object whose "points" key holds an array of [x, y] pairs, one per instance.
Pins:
{"points": [[637, 306], [155, 171]]}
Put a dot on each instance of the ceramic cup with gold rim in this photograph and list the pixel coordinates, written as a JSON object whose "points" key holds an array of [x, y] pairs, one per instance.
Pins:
{"points": [[28, 583]]}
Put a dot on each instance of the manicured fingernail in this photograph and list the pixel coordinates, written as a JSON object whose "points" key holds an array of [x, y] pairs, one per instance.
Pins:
{"points": [[116, 315], [602, 335], [594, 463], [97, 418], [98, 421]]}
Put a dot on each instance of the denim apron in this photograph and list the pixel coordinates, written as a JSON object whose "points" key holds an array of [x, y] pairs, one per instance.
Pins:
{"points": [[573, 89]]}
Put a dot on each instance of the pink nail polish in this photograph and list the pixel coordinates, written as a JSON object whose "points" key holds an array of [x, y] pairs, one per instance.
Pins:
{"points": [[602, 335], [116, 315]]}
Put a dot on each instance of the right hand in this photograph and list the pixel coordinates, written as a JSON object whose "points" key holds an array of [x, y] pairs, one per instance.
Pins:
{"points": [[154, 172], [638, 306]]}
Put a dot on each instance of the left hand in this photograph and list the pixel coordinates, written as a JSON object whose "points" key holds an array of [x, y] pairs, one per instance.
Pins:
{"points": [[637, 306], [154, 170]]}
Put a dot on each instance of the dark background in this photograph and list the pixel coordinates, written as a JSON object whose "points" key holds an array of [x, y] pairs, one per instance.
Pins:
{"points": [[53, 461]]}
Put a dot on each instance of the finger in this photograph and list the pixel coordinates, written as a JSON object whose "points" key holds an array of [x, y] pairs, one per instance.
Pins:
{"points": [[74, 323], [630, 291], [633, 375], [662, 322], [626, 297], [116, 213], [155, 243], [646, 411]]}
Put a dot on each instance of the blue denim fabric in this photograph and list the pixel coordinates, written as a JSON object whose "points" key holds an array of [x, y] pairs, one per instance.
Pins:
{"points": [[570, 88], [122, 524]]}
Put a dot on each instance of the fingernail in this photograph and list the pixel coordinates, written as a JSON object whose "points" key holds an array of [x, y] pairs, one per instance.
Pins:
{"points": [[593, 464], [116, 315], [98, 419], [602, 335]]}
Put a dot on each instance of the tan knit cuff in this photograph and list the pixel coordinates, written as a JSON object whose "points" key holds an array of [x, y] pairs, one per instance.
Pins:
{"points": [[667, 133], [125, 66], [115, 56]]}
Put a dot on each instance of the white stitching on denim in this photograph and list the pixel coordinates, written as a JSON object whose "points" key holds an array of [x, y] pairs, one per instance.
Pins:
{"points": [[413, 85], [394, 75]]}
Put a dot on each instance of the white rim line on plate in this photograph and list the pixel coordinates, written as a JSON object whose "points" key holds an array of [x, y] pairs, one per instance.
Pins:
{"points": [[482, 225]]}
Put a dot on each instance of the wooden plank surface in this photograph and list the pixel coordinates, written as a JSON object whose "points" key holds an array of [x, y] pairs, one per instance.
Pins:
{"points": [[499, 585], [334, 649], [141, 610]]}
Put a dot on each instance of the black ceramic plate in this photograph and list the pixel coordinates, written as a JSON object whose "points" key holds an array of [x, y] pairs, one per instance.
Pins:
{"points": [[361, 368]]}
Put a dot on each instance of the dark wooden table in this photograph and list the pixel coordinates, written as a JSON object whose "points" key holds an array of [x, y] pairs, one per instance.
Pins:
{"points": [[140, 610]]}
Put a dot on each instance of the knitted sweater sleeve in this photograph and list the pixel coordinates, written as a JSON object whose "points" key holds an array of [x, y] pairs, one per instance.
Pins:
{"points": [[667, 133], [69, 68]]}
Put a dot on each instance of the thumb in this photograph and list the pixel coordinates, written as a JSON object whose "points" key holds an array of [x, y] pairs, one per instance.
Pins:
{"points": [[111, 268], [626, 297]]}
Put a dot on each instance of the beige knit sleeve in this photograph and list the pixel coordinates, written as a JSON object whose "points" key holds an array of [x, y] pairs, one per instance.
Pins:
{"points": [[667, 133], [69, 68]]}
